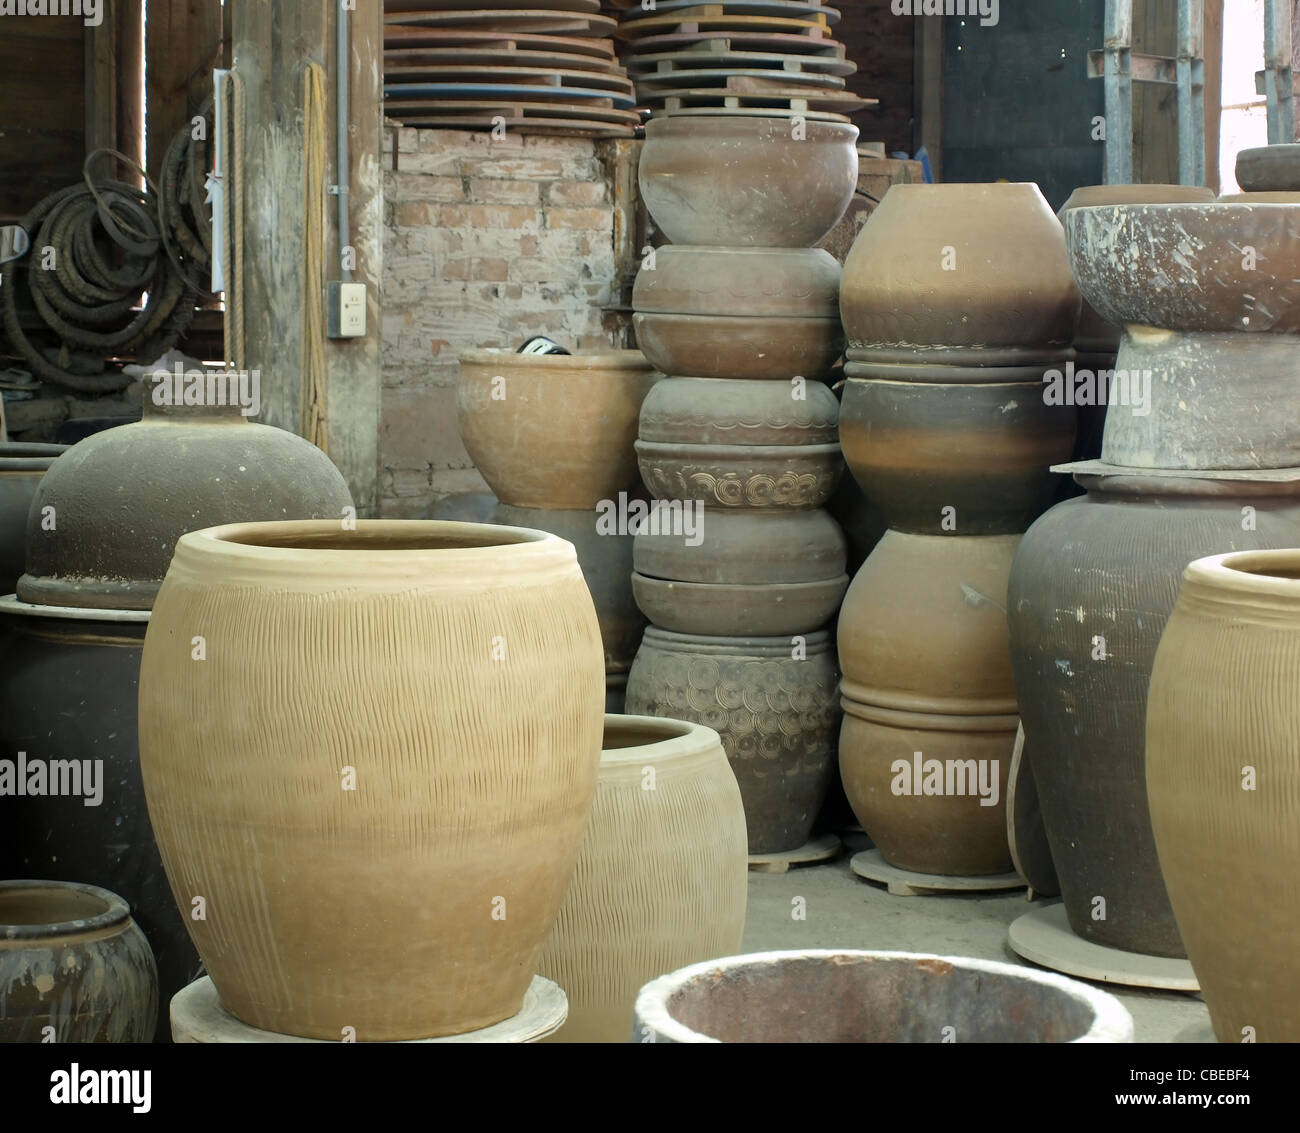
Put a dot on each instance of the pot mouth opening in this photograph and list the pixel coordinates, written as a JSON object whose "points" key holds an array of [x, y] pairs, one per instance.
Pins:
{"points": [[623, 733], [1270, 566], [34, 909], [369, 536]]}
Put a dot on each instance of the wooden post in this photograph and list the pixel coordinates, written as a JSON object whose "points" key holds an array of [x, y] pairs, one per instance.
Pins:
{"points": [[1213, 90], [183, 45], [274, 42], [928, 91]]}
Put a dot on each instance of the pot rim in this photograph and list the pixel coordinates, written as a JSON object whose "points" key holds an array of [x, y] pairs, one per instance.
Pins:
{"points": [[1249, 573], [662, 123], [1111, 1020], [736, 451], [11, 605], [931, 719], [19, 457], [775, 320], [836, 582], [609, 360], [763, 648], [114, 913], [687, 737]]}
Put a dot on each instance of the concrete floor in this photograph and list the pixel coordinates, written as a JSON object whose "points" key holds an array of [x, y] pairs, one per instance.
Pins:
{"points": [[845, 911]]}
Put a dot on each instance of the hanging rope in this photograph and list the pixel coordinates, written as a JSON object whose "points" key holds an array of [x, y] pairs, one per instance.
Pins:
{"points": [[234, 341], [312, 397]]}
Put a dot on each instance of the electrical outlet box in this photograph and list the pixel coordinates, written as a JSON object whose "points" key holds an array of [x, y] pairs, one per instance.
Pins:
{"points": [[346, 308]]}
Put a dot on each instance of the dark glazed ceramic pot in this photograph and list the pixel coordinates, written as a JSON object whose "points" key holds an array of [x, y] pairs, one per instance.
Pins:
{"points": [[1091, 589], [21, 469]]}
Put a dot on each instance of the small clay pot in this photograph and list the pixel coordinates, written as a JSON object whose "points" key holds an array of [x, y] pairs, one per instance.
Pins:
{"points": [[715, 411], [773, 701], [777, 348], [734, 610], [943, 813], [1269, 169], [971, 274], [961, 459], [873, 997], [924, 626], [1212, 401], [749, 282], [742, 476], [553, 431], [21, 469], [74, 967], [747, 181], [1202, 267]]}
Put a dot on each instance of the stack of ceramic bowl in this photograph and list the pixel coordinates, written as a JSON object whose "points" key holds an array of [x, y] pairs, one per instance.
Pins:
{"points": [[740, 566], [1201, 457], [552, 434], [957, 301]]}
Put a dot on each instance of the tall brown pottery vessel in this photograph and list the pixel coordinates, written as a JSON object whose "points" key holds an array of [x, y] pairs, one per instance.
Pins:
{"points": [[369, 710], [1223, 774]]}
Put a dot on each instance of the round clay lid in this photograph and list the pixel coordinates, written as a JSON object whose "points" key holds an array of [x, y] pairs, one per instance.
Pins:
{"points": [[106, 516], [730, 411], [756, 282], [1269, 169], [1089, 196]]}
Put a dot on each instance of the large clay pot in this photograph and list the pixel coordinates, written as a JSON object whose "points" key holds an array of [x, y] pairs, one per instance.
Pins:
{"points": [[786, 477], [553, 431], [747, 181], [21, 469], [69, 688], [74, 967], [776, 348], [967, 274], [1274, 168], [375, 707], [1223, 774], [774, 703], [924, 626], [662, 874], [1092, 586], [121, 498], [713, 411], [968, 459], [930, 790], [873, 997]]}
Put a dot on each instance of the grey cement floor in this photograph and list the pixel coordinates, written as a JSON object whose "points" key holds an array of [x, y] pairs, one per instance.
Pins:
{"points": [[845, 911]]}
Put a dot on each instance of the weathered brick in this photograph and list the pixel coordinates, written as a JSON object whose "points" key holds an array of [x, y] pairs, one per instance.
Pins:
{"points": [[511, 167], [486, 216], [408, 140], [496, 190], [413, 214], [580, 194], [591, 219]]}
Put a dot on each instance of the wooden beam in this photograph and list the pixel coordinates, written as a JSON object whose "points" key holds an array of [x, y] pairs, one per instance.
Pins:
{"points": [[1155, 107], [101, 90], [129, 15], [1213, 90], [183, 45]]}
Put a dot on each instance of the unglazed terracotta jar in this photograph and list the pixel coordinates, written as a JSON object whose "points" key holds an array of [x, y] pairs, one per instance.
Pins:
{"points": [[1083, 640], [553, 431], [874, 997], [374, 707], [924, 626], [966, 274], [21, 469], [773, 701], [747, 181], [964, 459], [1273, 168], [930, 790], [74, 967], [776, 348], [1223, 776], [661, 876]]}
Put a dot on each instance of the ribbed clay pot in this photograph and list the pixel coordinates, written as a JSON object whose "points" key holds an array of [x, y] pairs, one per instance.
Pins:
{"points": [[924, 626], [1223, 775], [747, 181], [873, 997], [967, 274], [553, 431], [930, 790], [661, 877], [775, 704], [1092, 587], [967, 459], [74, 967], [21, 469], [376, 706]]}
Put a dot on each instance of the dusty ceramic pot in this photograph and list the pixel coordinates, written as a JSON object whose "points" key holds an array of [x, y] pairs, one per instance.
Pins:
{"points": [[74, 966], [21, 469], [1093, 334], [1203, 267], [1082, 644], [961, 459], [553, 431], [69, 688], [747, 181], [662, 875], [713, 411], [123, 497], [930, 790], [924, 627], [723, 609], [1269, 169], [1205, 401], [606, 562], [778, 717], [777, 348], [788, 477], [859, 519], [484, 693], [754, 283], [967, 274], [1223, 777], [873, 997]]}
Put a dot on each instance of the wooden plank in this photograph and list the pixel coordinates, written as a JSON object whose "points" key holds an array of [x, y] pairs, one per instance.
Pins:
{"points": [[928, 80], [182, 46], [101, 91], [129, 15], [1213, 90], [1155, 107]]}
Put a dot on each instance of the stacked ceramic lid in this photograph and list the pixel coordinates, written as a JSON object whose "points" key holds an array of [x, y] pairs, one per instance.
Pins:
{"points": [[956, 300], [740, 568], [738, 54], [537, 66]]}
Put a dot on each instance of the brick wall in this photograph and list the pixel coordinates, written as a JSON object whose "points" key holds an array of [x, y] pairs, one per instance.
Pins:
{"points": [[487, 243]]}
